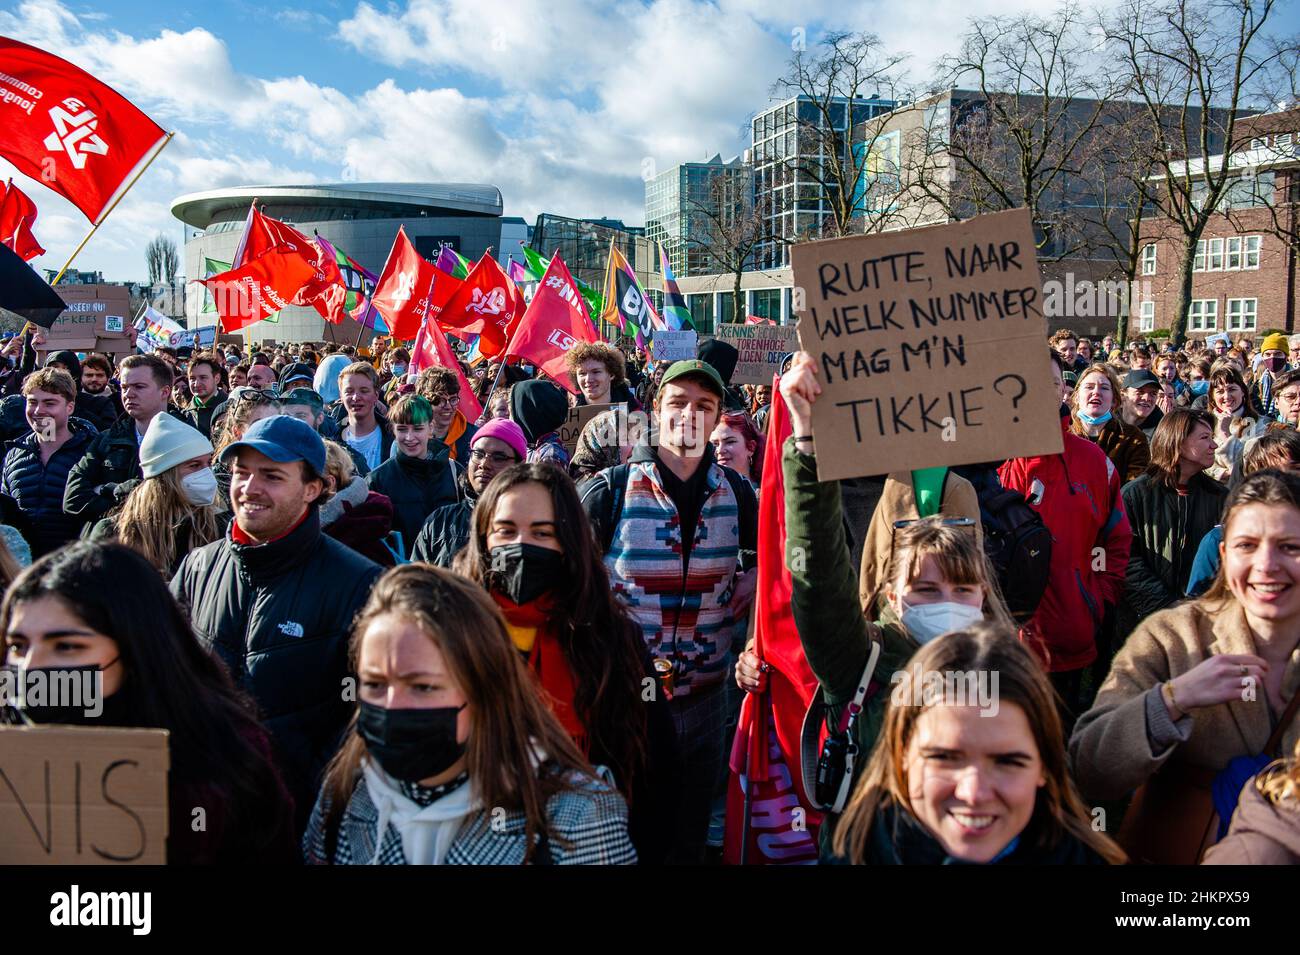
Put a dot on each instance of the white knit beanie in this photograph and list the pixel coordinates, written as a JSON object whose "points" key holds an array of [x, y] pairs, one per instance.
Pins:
{"points": [[170, 442]]}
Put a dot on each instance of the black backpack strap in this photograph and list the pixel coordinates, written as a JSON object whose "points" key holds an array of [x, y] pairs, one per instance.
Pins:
{"points": [[615, 481], [743, 491]]}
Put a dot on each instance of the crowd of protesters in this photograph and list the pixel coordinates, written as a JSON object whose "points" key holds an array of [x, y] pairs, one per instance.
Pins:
{"points": [[383, 628]]}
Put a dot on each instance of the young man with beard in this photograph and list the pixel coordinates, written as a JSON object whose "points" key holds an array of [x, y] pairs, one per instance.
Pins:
{"points": [[274, 600], [680, 538]]}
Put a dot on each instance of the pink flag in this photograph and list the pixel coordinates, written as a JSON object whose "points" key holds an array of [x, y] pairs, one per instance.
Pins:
{"points": [[431, 348], [555, 321]]}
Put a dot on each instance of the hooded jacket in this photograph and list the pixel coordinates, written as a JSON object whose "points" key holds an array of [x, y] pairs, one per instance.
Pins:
{"points": [[38, 488], [416, 486], [1077, 493], [723, 357], [540, 408], [104, 475], [279, 616]]}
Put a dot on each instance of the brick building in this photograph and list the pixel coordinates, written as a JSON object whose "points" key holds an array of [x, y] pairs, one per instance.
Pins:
{"points": [[1244, 276]]}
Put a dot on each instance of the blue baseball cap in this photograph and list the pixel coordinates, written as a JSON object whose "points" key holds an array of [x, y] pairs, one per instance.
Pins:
{"points": [[283, 439]]}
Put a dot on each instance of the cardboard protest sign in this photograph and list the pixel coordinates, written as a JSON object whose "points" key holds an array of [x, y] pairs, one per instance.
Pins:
{"points": [[674, 346], [761, 349], [83, 796], [571, 430], [931, 347]]}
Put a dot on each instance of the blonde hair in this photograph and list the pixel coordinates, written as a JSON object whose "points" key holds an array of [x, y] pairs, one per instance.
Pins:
{"points": [[152, 513], [1059, 812], [338, 465], [959, 557], [1280, 781], [1097, 368]]}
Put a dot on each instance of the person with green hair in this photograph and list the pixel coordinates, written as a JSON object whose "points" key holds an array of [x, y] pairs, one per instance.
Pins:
{"points": [[418, 478]]}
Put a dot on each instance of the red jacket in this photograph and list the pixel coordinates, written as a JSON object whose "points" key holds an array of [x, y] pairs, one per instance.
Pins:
{"points": [[1082, 508]]}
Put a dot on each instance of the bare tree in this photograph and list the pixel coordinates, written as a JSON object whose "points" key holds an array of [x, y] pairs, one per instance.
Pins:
{"points": [[832, 166], [727, 228], [1019, 140], [1202, 60], [163, 260]]}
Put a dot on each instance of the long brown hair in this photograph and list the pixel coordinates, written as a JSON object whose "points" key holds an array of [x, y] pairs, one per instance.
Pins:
{"points": [[1167, 443], [1223, 373], [1270, 486], [511, 722], [153, 512], [601, 644], [1059, 812]]}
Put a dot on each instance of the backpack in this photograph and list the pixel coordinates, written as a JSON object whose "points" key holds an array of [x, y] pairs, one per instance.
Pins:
{"points": [[615, 479], [1018, 545]]}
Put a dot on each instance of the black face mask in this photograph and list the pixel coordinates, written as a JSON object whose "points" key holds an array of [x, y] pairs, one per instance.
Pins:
{"points": [[523, 572], [112, 710], [411, 744]]}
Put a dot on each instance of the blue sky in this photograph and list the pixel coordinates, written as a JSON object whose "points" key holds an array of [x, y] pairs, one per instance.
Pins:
{"points": [[562, 104]]}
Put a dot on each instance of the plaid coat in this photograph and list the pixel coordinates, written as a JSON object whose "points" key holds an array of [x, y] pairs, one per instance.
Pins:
{"points": [[591, 820]]}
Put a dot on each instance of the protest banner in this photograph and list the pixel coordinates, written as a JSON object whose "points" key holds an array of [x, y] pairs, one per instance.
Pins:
{"points": [[571, 430], [158, 331], [761, 349], [83, 796], [931, 347], [674, 346], [95, 320]]}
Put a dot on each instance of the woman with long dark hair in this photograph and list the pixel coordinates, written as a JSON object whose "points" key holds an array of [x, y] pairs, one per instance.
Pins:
{"points": [[1237, 418], [531, 547], [453, 757], [104, 606], [1170, 508]]}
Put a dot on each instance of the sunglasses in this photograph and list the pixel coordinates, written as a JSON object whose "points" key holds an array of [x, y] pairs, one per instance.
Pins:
{"points": [[249, 394]]}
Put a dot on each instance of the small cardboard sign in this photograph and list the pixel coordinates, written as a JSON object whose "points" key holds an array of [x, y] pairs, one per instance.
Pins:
{"points": [[571, 430], [674, 346], [83, 796], [931, 347], [761, 349]]}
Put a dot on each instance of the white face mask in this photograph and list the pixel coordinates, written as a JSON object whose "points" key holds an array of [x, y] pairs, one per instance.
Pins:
{"points": [[926, 621], [200, 487]]}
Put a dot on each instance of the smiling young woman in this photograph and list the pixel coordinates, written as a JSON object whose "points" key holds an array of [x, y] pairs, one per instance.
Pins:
{"points": [[1228, 659], [1095, 404]]}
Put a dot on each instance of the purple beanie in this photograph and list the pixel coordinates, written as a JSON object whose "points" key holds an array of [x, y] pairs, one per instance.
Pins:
{"points": [[503, 429]]}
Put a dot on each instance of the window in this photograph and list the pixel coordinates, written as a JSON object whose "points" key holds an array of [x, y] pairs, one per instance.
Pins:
{"points": [[1259, 142], [1149, 259], [1242, 314], [1147, 317], [1198, 264], [1234, 252], [1250, 259], [1214, 253], [1282, 141], [1203, 316]]}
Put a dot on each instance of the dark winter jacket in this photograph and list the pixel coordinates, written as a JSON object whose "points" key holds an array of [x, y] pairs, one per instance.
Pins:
{"points": [[447, 530], [38, 488], [339, 414], [361, 519], [279, 616], [416, 486], [1167, 530], [107, 472], [200, 416]]}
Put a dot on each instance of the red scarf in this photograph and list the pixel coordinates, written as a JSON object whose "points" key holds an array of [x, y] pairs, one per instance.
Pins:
{"points": [[546, 660]]}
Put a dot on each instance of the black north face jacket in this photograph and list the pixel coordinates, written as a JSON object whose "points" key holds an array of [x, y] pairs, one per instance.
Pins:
{"points": [[279, 616]]}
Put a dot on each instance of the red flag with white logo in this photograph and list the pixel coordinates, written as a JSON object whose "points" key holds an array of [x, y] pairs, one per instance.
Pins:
{"points": [[487, 304], [431, 348], [260, 288], [405, 288], [555, 321], [61, 126], [17, 216]]}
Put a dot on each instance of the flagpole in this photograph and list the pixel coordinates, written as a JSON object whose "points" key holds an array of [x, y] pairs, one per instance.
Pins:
{"points": [[119, 198]]}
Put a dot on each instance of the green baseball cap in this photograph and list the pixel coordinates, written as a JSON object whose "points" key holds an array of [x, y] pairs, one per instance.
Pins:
{"points": [[694, 366]]}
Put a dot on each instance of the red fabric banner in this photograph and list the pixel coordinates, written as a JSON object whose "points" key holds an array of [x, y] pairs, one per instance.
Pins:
{"points": [[405, 288], [432, 348], [486, 303], [555, 321], [17, 216], [260, 288], [64, 128]]}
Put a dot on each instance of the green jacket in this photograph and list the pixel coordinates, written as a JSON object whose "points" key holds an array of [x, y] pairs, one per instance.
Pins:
{"points": [[827, 613]]}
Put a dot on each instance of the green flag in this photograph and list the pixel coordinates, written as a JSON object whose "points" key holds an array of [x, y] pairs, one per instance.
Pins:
{"points": [[211, 267]]}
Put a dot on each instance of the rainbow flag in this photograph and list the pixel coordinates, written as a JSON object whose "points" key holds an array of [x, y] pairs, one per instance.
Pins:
{"points": [[676, 314]]}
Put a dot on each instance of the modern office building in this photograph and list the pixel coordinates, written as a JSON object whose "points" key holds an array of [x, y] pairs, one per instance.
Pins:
{"points": [[794, 203], [584, 245], [361, 219], [689, 207]]}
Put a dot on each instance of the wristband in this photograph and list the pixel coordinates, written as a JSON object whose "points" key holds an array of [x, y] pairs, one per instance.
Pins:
{"points": [[801, 438]]}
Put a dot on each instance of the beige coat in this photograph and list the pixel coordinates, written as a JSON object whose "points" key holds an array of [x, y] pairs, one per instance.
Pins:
{"points": [[1110, 749], [898, 503]]}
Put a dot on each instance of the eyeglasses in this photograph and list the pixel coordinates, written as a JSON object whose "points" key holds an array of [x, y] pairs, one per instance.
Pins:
{"points": [[496, 457], [450, 401]]}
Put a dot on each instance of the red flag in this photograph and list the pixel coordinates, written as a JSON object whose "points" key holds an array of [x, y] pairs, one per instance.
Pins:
{"points": [[17, 216], [555, 321], [486, 303], [325, 291], [259, 289], [61, 126], [758, 320], [405, 288], [431, 348], [765, 753]]}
